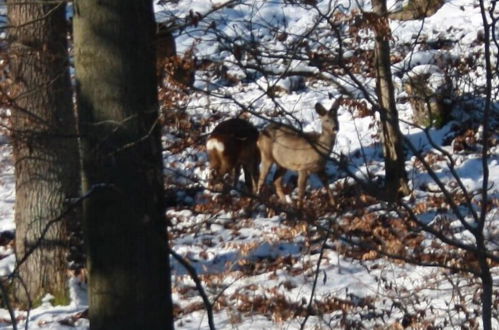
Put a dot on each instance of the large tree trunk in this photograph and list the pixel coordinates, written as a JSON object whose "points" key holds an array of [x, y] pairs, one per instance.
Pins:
{"points": [[128, 265], [396, 176], [45, 146]]}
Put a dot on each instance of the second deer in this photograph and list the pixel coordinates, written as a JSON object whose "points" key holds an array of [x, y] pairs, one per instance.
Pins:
{"points": [[232, 145], [305, 153]]}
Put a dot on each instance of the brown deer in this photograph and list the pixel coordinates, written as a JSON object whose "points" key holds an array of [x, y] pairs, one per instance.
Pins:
{"points": [[305, 153], [232, 145]]}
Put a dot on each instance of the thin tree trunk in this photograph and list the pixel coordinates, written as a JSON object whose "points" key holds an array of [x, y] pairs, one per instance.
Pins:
{"points": [[487, 283], [486, 277], [45, 146], [128, 262], [396, 176]]}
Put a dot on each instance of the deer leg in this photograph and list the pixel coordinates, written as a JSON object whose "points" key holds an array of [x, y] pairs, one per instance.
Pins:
{"points": [[236, 173], [265, 167], [251, 176], [255, 171], [214, 159], [325, 182], [278, 183], [248, 178], [213, 179], [302, 181]]}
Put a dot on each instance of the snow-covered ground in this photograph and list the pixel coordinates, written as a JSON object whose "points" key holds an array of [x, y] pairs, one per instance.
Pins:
{"points": [[258, 267]]}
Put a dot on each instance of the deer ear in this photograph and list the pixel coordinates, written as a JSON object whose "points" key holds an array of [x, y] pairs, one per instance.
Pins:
{"points": [[336, 105], [319, 108]]}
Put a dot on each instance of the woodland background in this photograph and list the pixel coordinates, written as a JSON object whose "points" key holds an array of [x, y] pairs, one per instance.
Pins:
{"points": [[106, 106]]}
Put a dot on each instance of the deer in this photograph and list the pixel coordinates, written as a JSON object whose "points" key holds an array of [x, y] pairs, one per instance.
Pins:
{"points": [[305, 153], [232, 146]]}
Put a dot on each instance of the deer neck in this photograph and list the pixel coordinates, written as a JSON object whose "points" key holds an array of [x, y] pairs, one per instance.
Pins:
{"points": [[326, 141]]}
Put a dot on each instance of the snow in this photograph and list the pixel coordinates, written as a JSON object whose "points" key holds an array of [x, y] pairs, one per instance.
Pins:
{"points": [[7, 193], [227, 246]]}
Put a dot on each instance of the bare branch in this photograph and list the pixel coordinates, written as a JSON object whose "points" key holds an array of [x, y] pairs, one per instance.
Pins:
{"points": [[192, 272]]}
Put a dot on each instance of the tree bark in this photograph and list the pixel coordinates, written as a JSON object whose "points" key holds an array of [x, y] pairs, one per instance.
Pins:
{"points": [[487, 283], [396, 176], [125, 227], [45, 146]]}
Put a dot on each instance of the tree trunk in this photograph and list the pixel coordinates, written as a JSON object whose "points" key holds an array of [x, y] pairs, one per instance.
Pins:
{"points": [[487, 289], [128, 262], [45, 146], [396, 176]]}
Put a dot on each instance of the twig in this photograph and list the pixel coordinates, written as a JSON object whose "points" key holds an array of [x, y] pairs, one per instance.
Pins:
{"points": [[30, 303], [314, 285], [199, 286], [32, 249], [451, 165], [53, 221], [39, 19], [9, 306], [440, 185]]}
